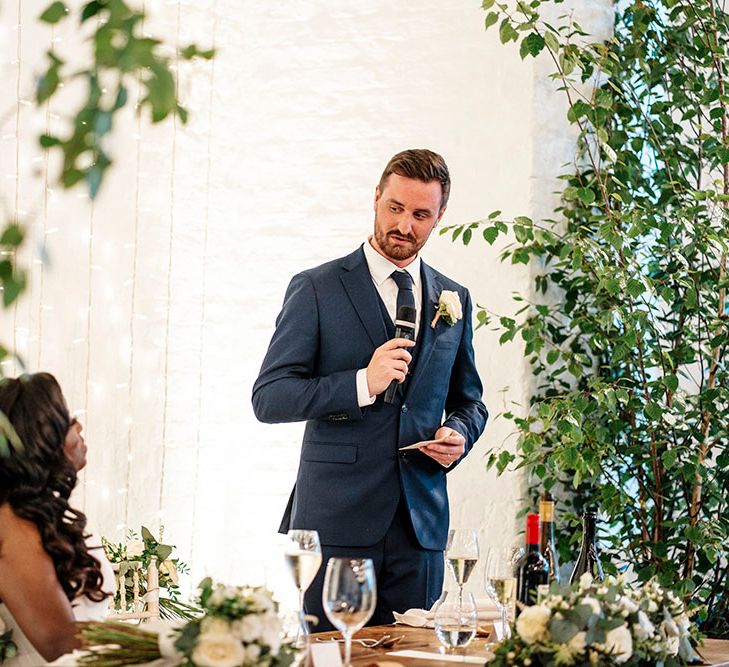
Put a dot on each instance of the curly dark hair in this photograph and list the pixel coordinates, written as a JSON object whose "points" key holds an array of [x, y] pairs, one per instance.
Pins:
{"points": [[37, 480]]}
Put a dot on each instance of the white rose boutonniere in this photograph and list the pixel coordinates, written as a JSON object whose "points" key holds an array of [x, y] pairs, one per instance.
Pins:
{"points": [[449, 308]]}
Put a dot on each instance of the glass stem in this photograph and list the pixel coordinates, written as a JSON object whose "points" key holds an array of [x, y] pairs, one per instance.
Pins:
{"points": [[303, 633], [347, 648], [505, 634]]}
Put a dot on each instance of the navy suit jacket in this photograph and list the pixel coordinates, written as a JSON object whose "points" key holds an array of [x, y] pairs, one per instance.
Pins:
{"points": [[351, 475]]}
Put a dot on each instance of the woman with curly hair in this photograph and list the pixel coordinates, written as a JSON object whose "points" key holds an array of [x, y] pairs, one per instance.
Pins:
{"points": [[49, 577]]}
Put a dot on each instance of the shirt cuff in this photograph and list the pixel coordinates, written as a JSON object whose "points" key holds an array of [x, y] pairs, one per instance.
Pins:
{"points": [[363, 391]]}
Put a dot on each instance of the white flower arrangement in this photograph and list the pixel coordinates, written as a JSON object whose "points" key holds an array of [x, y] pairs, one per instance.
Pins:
{"points": [[240, 627], [448, 307], [596, 623]]}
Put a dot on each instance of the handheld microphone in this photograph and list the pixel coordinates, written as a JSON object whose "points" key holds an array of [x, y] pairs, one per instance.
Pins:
{"points": [[404, 328]]}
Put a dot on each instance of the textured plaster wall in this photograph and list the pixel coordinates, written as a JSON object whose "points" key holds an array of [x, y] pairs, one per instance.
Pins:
{"points": [[154, 305]]}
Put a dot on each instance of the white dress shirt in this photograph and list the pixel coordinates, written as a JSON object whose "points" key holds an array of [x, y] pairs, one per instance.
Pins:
{"points": [[381, 269]]}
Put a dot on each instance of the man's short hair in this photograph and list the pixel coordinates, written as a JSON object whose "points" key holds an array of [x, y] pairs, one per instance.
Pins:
{"points": [[422, 164]]}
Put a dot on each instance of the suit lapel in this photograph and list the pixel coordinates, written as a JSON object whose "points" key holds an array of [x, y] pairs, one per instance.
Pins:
{"points": [[358, 284], [428, 335]]}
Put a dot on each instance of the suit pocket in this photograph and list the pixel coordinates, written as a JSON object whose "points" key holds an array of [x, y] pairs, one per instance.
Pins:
{"points": [[329, 452]]}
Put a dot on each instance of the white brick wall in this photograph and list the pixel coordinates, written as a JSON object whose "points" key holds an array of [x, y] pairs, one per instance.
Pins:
{"points": [[160, 299]]}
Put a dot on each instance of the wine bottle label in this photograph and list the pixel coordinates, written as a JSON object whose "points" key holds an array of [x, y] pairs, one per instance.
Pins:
{"points": [[546, 511]]}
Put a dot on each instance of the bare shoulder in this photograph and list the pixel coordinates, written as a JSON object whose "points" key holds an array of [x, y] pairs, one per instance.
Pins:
{"points": [[17, 532]]}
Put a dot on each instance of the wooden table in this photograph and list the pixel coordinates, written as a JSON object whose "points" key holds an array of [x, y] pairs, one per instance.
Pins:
{"points": [[714, 651]]}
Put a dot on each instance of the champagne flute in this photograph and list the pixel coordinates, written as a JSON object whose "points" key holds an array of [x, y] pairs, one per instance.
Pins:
{"points": [[500, 583], [461, 555], [303, 556], [349, 597]]}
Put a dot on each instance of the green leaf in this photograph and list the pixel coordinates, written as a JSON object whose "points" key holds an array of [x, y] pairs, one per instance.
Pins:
{"points": [[46, 140], [54, 13], [147, 535], [90, 9], [12, 235], [491, 19], [487, 4], [121, 98], [586, 195], [13, 288], [669, 458], [531, 45], [550, 40], [653, 410], [163, 552], [466, 236], [490, 234]]}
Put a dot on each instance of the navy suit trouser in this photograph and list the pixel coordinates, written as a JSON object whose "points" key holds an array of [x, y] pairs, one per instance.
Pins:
{"points": [[407, 575]]}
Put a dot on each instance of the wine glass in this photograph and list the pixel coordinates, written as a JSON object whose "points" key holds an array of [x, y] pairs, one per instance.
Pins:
{"points": [[349, 597], [461, 555], [500, 583], [303, 556], [456, 620]]}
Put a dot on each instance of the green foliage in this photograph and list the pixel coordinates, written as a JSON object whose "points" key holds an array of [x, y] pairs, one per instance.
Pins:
{"points": [[121, 55], [626, 327]]}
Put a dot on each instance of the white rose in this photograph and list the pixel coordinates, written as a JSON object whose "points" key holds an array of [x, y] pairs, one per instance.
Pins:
{"points": [[585, 581], [218, 650], [249, 628], [2, 626], [652, 606], [135, 548], [592, 603], [643, 629], [578, 643], [253, 652], [452, 303], [532, 623], [214, 625], [619, 643]]}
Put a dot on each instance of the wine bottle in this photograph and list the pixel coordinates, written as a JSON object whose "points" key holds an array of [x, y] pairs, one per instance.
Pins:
{"points": [[549, 550], [532, 571], [589, 558]]}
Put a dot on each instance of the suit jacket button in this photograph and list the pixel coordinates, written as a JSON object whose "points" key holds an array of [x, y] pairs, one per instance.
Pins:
{"points": [[404, 407], [404, 455]]}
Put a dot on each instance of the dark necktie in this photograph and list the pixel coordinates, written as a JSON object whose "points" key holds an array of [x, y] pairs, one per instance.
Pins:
{"points": [[405, 294]]}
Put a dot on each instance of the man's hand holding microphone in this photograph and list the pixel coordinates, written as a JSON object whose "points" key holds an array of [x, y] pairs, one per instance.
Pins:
{"points": [[388, 367]]}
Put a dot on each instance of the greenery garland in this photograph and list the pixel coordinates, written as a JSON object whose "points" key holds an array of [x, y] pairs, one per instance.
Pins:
{"points": [[625, 328]]}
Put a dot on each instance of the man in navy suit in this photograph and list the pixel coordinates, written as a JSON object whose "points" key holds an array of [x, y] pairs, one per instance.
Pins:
{"points": [[330, 361]]}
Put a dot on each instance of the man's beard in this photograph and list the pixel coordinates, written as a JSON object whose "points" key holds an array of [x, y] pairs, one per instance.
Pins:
{"points": [[394, 251]]}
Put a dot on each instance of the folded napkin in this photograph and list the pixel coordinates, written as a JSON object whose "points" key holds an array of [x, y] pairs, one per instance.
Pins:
{"points": [[424, 618]]}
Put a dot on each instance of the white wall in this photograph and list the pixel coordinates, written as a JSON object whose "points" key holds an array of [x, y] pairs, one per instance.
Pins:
{"points": [[159, 299]]}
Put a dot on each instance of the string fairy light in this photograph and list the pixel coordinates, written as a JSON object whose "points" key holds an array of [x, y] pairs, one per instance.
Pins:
{"points": [[169, 290], [203, 318], [134, 315]]}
